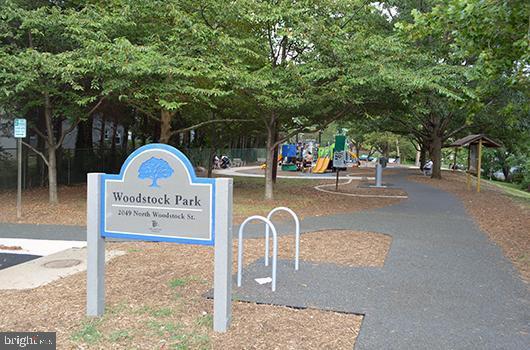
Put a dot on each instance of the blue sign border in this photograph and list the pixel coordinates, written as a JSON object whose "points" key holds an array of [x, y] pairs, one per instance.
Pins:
{"points": [[154, 238]]}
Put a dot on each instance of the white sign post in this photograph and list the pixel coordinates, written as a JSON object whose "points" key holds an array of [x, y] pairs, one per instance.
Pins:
{"points": [[157, 197], [19, 131]]}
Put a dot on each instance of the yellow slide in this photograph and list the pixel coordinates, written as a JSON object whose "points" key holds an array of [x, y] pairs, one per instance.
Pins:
{"points": [[318, 165], [323, 166]]}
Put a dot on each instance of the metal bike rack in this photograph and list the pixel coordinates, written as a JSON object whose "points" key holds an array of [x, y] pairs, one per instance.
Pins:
{"points": [[268, 223], [297, 232]]}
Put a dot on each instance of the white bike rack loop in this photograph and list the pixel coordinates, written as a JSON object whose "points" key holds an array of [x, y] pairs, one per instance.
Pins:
{"points": [[268, 223], [297, 237]]}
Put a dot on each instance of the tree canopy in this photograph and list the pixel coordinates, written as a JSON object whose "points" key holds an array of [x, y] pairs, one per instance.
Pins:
{"points": [[429, 71]]}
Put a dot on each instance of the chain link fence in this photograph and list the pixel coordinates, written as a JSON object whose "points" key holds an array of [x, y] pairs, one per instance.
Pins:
{"points": [[73, 165]]}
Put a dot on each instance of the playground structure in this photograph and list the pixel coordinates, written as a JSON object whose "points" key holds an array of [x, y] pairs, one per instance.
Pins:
{"points": [[269, 226], [294, 156], [325, 155]]}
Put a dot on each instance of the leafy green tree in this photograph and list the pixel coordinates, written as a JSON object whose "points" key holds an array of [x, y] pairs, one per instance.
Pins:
{"points": [[46, 65], [487, 41]]}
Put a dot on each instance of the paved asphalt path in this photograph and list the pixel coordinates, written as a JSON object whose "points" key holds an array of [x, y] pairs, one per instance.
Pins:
{"points": [[11, 259], [444, 284]]}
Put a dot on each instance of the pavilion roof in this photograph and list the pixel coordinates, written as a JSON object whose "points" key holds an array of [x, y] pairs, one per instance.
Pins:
{"points": [[474, 139]]}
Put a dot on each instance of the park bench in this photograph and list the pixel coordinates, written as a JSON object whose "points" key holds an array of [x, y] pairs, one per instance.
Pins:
{"points": [[237, 162]]}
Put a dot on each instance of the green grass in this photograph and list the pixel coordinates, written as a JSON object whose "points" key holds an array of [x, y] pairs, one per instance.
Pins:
{"points": [[182, 281], [511, 188], [89, 332], [180, 339], [178, 282], [119, 335], [205, 321], [163, 312]]}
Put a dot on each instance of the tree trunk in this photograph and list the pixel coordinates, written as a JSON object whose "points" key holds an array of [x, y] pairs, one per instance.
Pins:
{"points": [[82, 159], [52, 176], [52, 159], [125, 140], [436, 156], [213, 144], [165, 125], [41, 147], [423, 156], [506, 172], [275, 159], [112, 156], [269, 184], [102, 123], [133, 141]]}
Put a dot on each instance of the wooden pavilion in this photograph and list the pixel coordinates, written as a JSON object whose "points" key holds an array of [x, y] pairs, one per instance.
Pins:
{"points": [[474, 144]]}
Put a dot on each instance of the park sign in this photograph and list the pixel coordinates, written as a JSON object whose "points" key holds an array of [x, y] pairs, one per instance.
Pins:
{"points": [[339, 154], [19, 128], [157, 197]]}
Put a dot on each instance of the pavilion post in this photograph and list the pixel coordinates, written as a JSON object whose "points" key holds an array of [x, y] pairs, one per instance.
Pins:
{"points": [[454, 160], [468, 177], [479, 163]]}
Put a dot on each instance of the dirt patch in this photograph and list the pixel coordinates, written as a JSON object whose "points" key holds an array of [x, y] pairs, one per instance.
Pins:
{"points": [[362, 189], [505, 220], [354, 171], [290, 329], [71, 209], [155, 300], [298, 195], [342, 247], [9, 247]]}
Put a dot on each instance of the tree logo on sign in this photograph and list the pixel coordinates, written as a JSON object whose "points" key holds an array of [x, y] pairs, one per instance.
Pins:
{"points": [[154, 169]]}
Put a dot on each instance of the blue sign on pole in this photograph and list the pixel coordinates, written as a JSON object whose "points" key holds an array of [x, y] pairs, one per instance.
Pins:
{"points": [[157, 197], [20, 128]]}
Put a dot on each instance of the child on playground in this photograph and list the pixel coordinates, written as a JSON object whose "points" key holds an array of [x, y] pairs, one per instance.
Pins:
{"points": [[308, 162]]}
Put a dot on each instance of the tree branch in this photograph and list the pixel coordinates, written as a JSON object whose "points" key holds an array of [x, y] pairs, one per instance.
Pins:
{"points": [[39, 133], [307, 130], [36, 151], [200, 125], [77, 121], [456, 131]]}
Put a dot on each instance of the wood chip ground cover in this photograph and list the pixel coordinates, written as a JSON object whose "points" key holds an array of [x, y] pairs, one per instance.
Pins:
{"points": [[155, 300], [298, 195], [361, 188], [505, 219]]}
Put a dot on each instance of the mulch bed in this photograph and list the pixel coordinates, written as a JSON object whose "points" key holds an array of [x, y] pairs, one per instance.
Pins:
{"points": [[299, 195], [504, 219], [362, 189], [71, 209], [155, 300], [9, 247], [354, 171], [341, 247]]}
